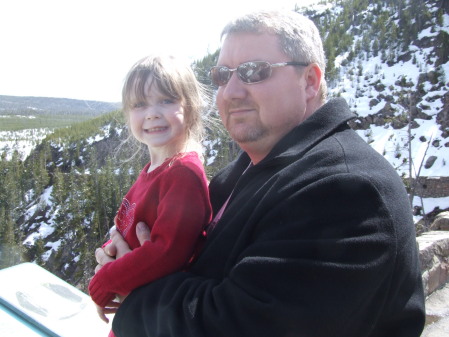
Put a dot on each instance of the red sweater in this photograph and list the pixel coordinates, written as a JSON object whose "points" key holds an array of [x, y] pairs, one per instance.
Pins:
{"points": [[173, 201]]}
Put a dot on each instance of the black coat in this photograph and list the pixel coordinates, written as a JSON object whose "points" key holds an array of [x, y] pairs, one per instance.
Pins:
{"points": [[317, 240]]}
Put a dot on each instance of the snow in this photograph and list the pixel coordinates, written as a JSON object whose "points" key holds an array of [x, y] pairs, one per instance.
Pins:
{"points": [[53, 246], [18, 116], [212, 155], [43, 231], [429, 204], [321, 7], [104, 133], [427, 33], [44, 228], [23, 141]]}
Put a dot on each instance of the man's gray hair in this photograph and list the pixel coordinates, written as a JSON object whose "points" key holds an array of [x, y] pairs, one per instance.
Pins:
{"points": [[298, 36]]}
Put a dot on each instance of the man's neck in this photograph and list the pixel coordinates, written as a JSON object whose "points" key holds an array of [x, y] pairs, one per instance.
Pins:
{"points": [[257, 150]]}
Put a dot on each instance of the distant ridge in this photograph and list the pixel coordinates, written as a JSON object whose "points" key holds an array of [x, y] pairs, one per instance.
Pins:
{"points": [[29, 104]]}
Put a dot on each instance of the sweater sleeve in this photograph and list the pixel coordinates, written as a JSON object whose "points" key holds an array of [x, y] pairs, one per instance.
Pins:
{"points": [[183, 211], [302, 267]]}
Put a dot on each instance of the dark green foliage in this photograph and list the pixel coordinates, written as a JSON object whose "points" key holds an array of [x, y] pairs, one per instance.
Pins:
{"points": [[26, 120], [201, 67], [443, 51], [11, 207]]}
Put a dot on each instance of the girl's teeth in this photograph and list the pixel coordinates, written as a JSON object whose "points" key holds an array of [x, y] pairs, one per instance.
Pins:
{"points": [[155, 129]]}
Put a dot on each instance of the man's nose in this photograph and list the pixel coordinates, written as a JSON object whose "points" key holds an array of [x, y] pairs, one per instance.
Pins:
{"points": [[234, 89]]}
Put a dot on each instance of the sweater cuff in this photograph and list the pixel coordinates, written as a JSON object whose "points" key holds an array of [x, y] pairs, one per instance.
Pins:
{"points": [[98, 294]]}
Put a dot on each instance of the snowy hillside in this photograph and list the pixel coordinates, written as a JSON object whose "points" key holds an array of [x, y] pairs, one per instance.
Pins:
{"points": [[405, 81], [359, 90], [23, 141]]}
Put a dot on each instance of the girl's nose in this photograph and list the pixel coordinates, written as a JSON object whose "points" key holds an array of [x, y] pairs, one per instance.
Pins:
{"points": [[152, 113]]}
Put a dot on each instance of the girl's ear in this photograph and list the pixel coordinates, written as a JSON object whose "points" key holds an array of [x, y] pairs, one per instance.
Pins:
{"points": [[313, 75]]}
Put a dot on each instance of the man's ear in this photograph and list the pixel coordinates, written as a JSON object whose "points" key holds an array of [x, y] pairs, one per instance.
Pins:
{"points": [[313, 75]]}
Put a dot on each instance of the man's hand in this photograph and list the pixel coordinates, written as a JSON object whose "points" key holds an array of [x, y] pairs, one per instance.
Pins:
{"points": [[118, 247], [143, 232]]}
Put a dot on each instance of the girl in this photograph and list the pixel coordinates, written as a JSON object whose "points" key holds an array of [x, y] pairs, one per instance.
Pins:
{"points": [[162, 103]]}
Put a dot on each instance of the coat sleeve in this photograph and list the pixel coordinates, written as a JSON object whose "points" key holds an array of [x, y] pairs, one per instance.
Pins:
{"points": [[320, 263]]}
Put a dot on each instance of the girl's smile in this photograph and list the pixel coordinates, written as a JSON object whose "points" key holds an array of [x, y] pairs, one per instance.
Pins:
{"points": [[159, 123]]}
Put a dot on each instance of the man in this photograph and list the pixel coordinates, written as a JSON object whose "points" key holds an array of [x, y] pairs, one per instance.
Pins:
{"points": [[316, 236]]}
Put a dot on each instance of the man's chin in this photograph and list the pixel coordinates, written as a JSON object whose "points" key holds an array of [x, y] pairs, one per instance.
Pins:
{"points": [[244, 136]]}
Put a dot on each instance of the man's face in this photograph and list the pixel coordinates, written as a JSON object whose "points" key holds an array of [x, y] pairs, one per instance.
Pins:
{"points": [[258, 115]]}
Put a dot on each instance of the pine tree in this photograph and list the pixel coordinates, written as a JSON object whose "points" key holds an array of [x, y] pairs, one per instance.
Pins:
{"points": [[201, 67], [39, 246], [10, 252], [443, 51]]}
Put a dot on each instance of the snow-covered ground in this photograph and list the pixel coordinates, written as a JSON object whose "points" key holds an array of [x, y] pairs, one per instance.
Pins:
{"points": [[358, 88], [22, 141]]}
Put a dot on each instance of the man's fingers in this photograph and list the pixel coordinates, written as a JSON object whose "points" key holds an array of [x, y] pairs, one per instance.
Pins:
{"points": [[120, 244], [118, 247], [101, 257], [111, 249], [142, 232]]}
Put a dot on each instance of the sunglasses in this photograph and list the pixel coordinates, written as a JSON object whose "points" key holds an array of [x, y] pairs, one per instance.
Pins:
{"points": [[248, 72]]}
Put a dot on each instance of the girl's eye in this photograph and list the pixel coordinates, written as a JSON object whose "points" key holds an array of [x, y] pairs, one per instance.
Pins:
{"points": [[168, 101], [138, 105]]}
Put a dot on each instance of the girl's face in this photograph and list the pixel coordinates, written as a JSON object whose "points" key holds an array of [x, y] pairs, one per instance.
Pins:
{"points": [[158, 121]]}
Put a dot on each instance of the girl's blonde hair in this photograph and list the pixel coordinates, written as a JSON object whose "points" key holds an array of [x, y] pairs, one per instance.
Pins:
{"points": [[176, 80]]}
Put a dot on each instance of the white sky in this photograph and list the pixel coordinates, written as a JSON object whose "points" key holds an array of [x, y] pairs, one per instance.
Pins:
{"points": [[83, 48]]}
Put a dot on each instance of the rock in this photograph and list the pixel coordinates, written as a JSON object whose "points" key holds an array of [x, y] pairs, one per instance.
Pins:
{"points": [[430, 161], [437, 314], [441, 222], [434, 258]]}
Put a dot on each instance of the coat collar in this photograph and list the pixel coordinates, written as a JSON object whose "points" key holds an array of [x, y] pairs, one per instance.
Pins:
{"points": [[318, 126]]}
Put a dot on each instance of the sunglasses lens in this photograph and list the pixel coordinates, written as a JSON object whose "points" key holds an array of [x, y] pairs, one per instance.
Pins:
{"points": [[254, 72], [248, 72], [220, 75]]}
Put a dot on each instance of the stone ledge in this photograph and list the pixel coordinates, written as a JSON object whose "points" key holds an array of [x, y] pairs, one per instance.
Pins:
{"points": [[437, 314], [434, 258]]}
